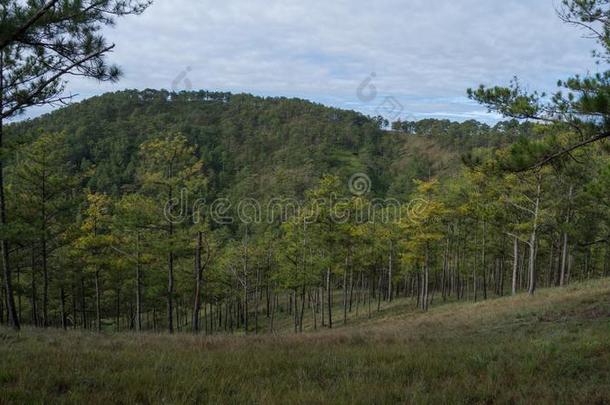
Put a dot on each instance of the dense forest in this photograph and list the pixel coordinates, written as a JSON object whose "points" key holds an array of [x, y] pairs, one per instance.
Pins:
{"points": [[149, 210], [168, 246]]}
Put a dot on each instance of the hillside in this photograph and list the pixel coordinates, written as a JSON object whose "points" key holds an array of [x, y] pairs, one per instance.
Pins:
{"points": [[550, 348], [94, 247], [257, 147]]}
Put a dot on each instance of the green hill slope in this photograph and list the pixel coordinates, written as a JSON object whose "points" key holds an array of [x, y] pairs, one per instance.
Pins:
{"points": [[258, 146], [550, 348]]}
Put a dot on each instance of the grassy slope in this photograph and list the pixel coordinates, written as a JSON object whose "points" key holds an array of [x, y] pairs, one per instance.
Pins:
{"points": [[554, 347]]}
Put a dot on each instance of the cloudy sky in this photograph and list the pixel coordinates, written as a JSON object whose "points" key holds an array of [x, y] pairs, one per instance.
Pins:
{"points": [[399, 58]]}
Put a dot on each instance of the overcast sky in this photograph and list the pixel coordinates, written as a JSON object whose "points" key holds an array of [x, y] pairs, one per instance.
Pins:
{"points": [[420, 55]]}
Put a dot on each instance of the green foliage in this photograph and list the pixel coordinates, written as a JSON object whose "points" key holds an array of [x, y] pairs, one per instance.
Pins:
{"points": [[581, 103], [158, 160], [41, 42]]}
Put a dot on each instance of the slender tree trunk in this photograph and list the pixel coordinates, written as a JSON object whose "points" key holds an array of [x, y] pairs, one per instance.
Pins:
{"points": [[351, 288], [245, 284], [13, 319], [267, 301], [313, 299], [272, 315], [98, 316], [426, 279], [118, 308], [345, 291], [138, 285], [445, 270], [198, 277], [533, 240], [330, 299], [257, 302], [515, 264], [45, 284], [484, 264], [34, 288], [83, 304], [390, 272], [379, 287], [564, 248], [322, 316], [62, 303], [19, 314], [170, 272], [73, 299], [302, 309], [551, 261]]}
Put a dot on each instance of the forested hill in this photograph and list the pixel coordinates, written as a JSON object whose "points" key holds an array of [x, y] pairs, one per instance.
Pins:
{"points": [[259, 146]]}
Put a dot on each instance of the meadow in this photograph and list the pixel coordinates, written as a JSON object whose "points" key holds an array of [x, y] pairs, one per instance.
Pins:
{"points": [[550, 348]]}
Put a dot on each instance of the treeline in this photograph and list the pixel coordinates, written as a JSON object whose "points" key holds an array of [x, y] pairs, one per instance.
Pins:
{"points": [[171, 248], [239, 137]]}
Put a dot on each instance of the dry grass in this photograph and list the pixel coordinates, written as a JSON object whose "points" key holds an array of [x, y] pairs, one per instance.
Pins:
{"points": [[550, 348]]}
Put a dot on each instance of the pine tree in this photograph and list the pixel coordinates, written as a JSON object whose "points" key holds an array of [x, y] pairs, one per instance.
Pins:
{"points": [[169, 172], [43, 188], [41, 42]]}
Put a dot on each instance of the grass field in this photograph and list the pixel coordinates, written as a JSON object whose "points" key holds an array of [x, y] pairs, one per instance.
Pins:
{"points": [[551, 348]]}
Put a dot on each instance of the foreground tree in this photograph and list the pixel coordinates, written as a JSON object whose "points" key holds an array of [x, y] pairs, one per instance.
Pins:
{"points": [[41, 42], [42, 188], [134, 221], [581, 103], [170, 171]]}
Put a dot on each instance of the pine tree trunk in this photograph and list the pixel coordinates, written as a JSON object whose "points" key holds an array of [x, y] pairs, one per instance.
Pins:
{"points": [[302, 309], [198, 276], [330, 299], [138, 285], [83, 305], [34, 288], [515, 264], [170, 274], [62, 303], [272, 315], [258, 299], [484, 264], [445, 270], [564, 248], [345, 292], [426, 279], [117, 314], [390, 272], [98, 316], [45, 285], [533, 240], [379, 288], [13, 319], [314, 305]]}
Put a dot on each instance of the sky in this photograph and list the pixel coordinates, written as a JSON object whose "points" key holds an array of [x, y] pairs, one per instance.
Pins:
{"points": [[403, 59]]}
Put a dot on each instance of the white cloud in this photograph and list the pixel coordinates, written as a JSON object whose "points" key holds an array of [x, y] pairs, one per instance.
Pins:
{"points": [[425, 53]]}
